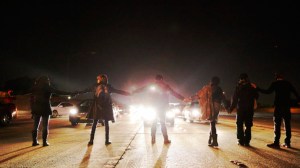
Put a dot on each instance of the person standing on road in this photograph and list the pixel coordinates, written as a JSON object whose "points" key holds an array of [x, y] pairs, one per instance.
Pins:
{"points": [[282, 103], [102, 105], [243, 99], [210, 98], [159, 97], [41, 94]]}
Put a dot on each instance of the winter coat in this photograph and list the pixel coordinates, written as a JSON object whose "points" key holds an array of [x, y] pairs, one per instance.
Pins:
{"points": [[40, 99], [244, 98], [210, 98], [101, 108]]}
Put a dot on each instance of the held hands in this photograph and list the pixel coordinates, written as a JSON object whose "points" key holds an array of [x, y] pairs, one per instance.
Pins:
{"points": [[186, 100]]}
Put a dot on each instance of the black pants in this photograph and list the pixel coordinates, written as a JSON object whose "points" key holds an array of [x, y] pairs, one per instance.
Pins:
{"points": [[244, 117], [282, 113], [36, 124], [95, 122]]}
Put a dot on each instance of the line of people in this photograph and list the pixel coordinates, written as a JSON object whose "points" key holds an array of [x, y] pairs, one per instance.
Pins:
{"points": [[210, 98]]}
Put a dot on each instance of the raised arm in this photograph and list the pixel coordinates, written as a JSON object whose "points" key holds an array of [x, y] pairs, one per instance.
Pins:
{"points": [[113, 90], [175, 94]]}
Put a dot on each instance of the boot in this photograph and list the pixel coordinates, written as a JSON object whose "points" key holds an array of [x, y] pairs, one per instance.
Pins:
{"points": [[91, 142], [34, 138], [209, 139], [215, 141], [45, 142]]}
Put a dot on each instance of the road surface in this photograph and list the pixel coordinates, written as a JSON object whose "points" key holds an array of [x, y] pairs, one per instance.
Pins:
{"points": [[131, 145]]}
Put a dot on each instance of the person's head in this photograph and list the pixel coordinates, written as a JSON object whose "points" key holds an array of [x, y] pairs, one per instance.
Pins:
{"points": [[243, 78], [102, 79], [159, 78], [278, 76], [42, 80], [215, 81]]}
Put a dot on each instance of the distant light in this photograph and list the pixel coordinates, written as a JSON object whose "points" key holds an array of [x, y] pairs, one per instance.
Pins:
{"points": [[153, 88], [69, 97]]}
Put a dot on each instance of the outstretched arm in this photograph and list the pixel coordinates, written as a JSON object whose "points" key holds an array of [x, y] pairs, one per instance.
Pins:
{"points": [[266, 91], [113, 90], [175, 94]]}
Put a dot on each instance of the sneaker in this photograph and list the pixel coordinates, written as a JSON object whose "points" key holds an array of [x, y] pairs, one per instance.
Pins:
{"points": [[107, 143], [90, 143], [46, 144], [286, 145], [273, 145]]}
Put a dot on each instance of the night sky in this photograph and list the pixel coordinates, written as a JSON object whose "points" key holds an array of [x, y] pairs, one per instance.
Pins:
{"points": [[187, 42]]}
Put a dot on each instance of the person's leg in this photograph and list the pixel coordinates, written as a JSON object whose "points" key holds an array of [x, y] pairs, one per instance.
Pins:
{"points": [[162, 120], [240, 129], [287, 126], [36, 123], [45, 120], [153, 130], [214, 134], [95, 122], [248, 124], [106, 123], [277, 125]]}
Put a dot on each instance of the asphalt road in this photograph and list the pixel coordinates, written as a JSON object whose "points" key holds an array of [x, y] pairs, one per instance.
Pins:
{"points": [[131, 145]]}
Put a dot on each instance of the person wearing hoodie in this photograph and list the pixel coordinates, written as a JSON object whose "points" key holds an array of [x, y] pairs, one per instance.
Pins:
{"points": [[282, 104], [40, 97], [243, 100]]}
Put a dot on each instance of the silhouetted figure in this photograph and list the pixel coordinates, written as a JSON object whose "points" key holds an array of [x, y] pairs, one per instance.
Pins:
{"points": [[159, 92], [282, 103], [40, 107], [102, 105], [243, 100], [210, 98]]}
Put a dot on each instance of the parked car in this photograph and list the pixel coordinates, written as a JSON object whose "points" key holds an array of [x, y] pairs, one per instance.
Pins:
{"points": [[61, 108], [78, 114], [148, 113], [8, 110]]}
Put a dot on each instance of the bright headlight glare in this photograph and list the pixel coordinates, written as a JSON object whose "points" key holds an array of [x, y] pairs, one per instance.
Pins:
{"points": [[170, 114], [73, 111], [195, 112]]}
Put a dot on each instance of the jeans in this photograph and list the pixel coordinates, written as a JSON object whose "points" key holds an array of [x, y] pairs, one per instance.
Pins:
{"points": [[36, 124]]}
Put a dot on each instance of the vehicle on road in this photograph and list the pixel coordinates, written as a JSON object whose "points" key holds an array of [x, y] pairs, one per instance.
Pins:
{"points": [[191, 112], [8, 110], [78, 114], [148, 113], [61, 108]]}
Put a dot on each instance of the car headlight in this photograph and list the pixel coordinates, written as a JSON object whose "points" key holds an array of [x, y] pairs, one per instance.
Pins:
{"points": [[73, 111], [148, 113], [195, 112]]}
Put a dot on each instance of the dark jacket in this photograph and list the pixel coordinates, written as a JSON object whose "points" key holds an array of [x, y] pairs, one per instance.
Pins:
{"points": [[243, 97], [283, 90], [40, 99], [102, 103]]}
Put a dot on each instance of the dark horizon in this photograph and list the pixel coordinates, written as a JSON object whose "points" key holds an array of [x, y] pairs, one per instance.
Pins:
{"points": [[188, 43]]}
